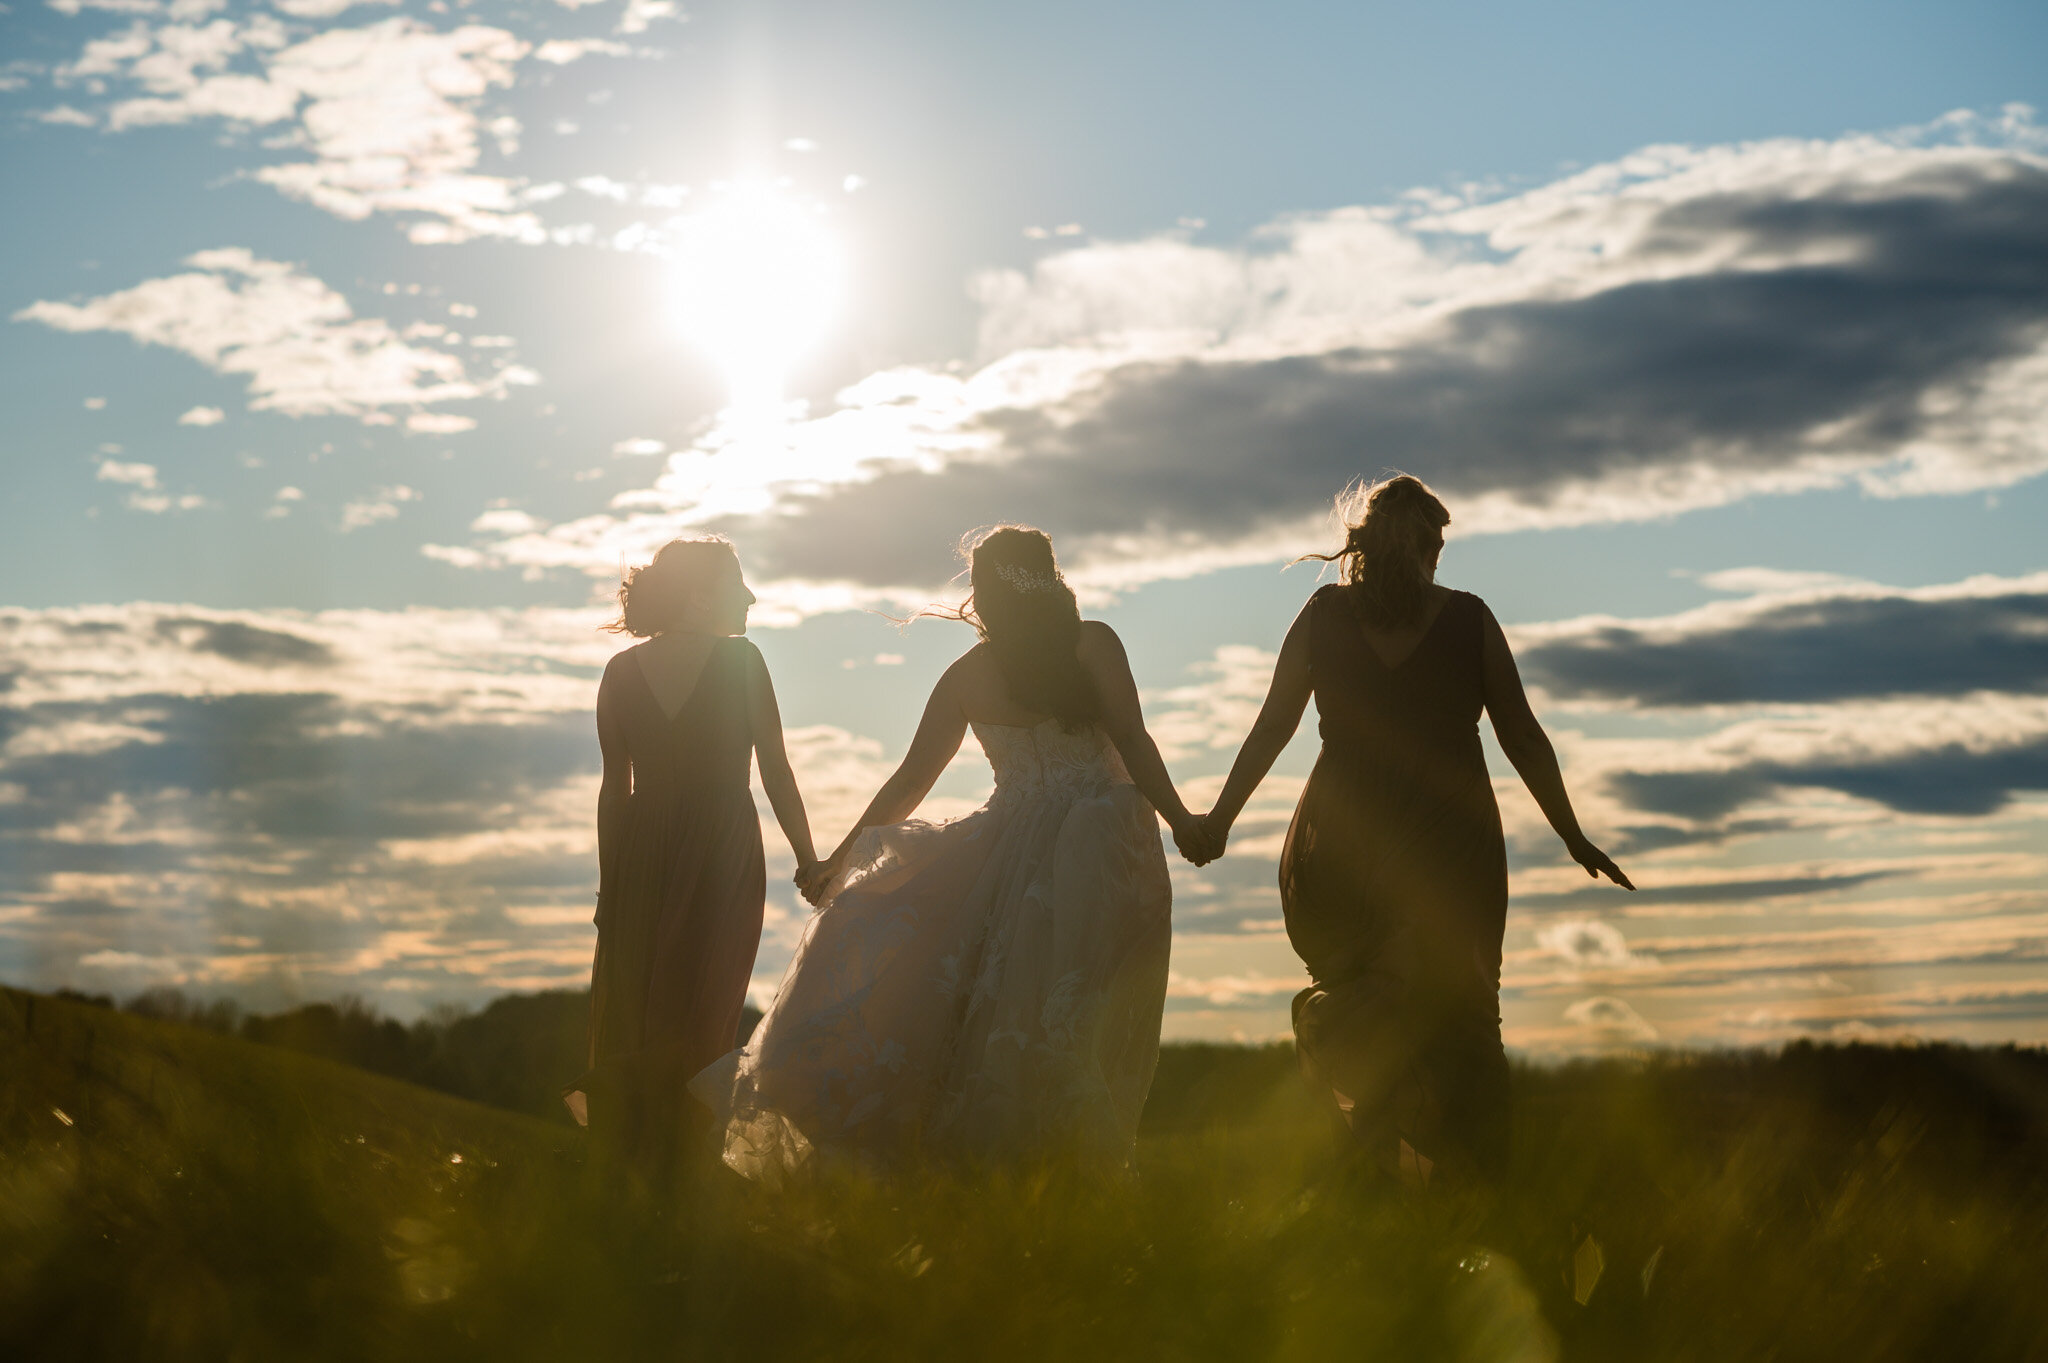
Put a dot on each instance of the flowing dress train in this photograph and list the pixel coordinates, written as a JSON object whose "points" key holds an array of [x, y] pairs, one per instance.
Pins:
{"points": [[989, 987]]}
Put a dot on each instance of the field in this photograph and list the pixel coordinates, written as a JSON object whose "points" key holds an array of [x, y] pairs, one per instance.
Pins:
{"points": [[167, 1193]]}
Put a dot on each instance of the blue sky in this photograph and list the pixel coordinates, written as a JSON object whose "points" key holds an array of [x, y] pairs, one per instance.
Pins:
{"points": [[353, 347]]}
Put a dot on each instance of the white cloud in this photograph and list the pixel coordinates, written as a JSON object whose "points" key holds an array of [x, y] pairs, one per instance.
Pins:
{"points": [[562, 51], [639, 15], [439, 423], [65, 115], [388, 111], [76, 7], [381, 505], [1610, 1019], [504, 520], [134, 475], [202, 416], [322, 9], [1532, 355], [1588, 942], [297, 341]]}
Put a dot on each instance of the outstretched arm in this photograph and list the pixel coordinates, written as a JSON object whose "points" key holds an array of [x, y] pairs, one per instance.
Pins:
{"points": [[938, 737], [764, 720], [613, 789], [1123, 719], [1274, 729], [1528, 747]]}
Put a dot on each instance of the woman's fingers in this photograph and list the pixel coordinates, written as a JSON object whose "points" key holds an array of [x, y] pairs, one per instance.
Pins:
{"points": [[1598, 863]]}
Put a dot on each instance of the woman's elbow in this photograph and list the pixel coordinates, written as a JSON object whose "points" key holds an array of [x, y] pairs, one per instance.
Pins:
{"points": [[1270, 736], [1522, 741]]}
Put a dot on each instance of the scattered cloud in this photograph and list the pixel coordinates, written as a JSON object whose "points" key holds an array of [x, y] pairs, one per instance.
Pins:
{"points": [[1589, 942], [301, 347], [562, 51], [202, 416], [322, 9], [1610, 1019], [287, 804], [381, 505], [389, 112], [641, 15], [134, 475], [1680, 329], [295, 804]]}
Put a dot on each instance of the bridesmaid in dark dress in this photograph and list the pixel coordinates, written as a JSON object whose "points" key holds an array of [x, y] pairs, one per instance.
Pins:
{"points": [[680, 717], [1393, 878]]}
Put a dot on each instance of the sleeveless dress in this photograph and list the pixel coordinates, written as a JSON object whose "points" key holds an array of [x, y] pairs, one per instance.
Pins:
{"points": [[1393, 880], [679, 913], [986, 988]]}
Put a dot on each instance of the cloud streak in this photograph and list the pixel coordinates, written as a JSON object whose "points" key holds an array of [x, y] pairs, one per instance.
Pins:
{"points": [[296, 342], [1680, 329], [1989, 634]]}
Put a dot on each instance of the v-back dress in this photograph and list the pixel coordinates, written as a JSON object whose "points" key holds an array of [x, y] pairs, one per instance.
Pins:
{"points": [[679, 912], [1393, 880], [985, 988]]}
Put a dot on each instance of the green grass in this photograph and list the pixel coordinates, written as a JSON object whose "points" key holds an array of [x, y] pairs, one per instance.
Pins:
{"points": [[203, 1197]]}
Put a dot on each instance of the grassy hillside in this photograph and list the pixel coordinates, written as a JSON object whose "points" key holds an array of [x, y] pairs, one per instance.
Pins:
{"points": [[167, 1193]]}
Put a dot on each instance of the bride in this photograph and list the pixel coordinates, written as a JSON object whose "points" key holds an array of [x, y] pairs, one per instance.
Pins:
{"points": [[990, 986]]}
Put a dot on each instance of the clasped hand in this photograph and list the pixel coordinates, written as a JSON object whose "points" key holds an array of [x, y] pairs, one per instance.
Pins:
{"points": [[1200, 838], [814, 879]]}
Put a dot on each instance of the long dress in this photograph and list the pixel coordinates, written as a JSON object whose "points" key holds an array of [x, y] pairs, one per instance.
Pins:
{"points": [[983, 989], [679, 914], [1393, 880]]}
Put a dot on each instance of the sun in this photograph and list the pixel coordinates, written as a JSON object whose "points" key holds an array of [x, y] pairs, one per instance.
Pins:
{"points": [[756, 279]]}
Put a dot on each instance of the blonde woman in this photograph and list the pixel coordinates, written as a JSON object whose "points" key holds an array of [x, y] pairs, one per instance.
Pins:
{"points": [[680, 718], [1394, 877]]}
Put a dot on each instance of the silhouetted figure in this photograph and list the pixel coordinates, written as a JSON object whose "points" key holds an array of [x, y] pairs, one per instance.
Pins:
{"points": [[989, 987], [1393, 878], [681, 874]]}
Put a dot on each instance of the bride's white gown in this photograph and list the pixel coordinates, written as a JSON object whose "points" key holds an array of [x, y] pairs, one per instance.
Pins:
{"points": [[986, 987]]}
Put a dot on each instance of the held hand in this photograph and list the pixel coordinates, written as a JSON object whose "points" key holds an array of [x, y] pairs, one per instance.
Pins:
{"points": [[818, 883], [1215, 835], [1597, 862], [1193, 839]]}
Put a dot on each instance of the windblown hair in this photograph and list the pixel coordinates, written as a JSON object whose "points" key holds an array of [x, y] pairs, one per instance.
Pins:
{"points": [[652, 598], [1025, 611], [1393, 525]]}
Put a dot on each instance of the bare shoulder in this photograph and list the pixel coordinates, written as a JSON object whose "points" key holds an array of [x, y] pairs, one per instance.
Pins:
{"points": [[1098, 639], [966, 673]]}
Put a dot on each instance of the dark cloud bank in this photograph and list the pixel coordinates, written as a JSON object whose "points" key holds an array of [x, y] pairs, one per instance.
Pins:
{"points": [[1936, 279], [1810, 651], [1819, 650]]}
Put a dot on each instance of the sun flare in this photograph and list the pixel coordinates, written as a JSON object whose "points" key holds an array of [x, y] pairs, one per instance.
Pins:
{"points": [[755, 282]]}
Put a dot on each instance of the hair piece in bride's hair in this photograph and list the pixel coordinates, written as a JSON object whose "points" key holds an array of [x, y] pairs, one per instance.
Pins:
{"points": [[652, 597], [1021, 605], [1393, 528], [1024, 580]]}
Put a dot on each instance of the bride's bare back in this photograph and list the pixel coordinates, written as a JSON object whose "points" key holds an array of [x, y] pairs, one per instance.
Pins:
{"points": [[974, 691]]}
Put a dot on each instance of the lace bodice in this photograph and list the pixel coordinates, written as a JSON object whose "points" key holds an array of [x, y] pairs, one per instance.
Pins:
{"points": [[1046, 760]]}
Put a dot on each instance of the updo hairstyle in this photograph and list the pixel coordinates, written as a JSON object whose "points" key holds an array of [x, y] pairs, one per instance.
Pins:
{"points": [[1023, 608], [1393, 526], [652, 599]]}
